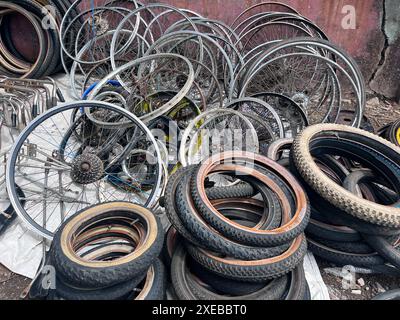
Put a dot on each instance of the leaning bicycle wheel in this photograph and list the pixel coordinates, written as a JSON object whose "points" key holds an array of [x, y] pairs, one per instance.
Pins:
{"points": [[260, 8], [71, 162], [145, 76]]}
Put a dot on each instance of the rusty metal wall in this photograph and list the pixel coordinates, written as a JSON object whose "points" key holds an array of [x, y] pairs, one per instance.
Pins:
{"points": [[368, 43]]}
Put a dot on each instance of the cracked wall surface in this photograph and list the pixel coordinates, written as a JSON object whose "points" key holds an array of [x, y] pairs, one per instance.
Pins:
{"points": [[386, 80]]}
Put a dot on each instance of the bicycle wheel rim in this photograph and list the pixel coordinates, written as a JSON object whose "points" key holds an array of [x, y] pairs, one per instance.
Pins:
{"points": [[11, 163]]}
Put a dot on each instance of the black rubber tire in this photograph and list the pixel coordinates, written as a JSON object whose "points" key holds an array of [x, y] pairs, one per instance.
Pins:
{"points": [[223, 285], [272, 291], [378, 187], [52, 57], [37, 67], [6, 34], [159, 286], [297, 285], [187, 288], [342, 259], [62, 6], [210, 239], [10, 215], [37, 291], [380, 244], [117, 292], [267, 217], [256, 271], [165, 256], [386, 270], [83, 275], [332, 233], [339, 217], [388, 295], [241, 190], [244, 236], [338, 168], [383, 195], [347, 247], [383, 132], [272, 205], [170, 205], [366, 148], [392, 133], [335, 215], [385, 249], [284, 163]]}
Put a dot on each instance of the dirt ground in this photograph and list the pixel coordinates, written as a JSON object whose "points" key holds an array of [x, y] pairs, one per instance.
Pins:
{"points": [[379, 113], [365, 286], [11, 284]]}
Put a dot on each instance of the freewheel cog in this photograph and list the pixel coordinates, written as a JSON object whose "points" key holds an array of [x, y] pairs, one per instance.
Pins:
{"points": [[87, 168]]}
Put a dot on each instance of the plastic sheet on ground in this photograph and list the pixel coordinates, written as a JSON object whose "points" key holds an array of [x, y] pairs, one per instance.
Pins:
{"points": [[318, 289]]}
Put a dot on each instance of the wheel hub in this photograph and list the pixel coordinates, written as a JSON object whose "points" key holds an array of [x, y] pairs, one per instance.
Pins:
{"points": [[101, 25], [87, 168]]}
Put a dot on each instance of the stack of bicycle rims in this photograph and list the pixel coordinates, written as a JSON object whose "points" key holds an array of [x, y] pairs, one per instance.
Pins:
{"points": [[391, 132], [232, 245], [30, 22], [106, 252], [352, 179]]}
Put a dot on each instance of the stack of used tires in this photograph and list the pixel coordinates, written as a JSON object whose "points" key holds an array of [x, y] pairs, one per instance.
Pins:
{"points": [[29, 37], [391, 132], [352, 178], [106, 252], [225, 243]]}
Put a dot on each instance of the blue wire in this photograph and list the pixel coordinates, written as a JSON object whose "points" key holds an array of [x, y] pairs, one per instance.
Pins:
{"points": [[114, 83]]}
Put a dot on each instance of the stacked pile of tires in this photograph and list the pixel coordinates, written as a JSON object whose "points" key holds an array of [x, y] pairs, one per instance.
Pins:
{"points": [[352, 179], [226, 244], [106, 252], [35, 23]]}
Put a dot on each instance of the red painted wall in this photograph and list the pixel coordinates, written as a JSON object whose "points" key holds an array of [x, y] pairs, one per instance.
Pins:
{"points": [[365, 43]]}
